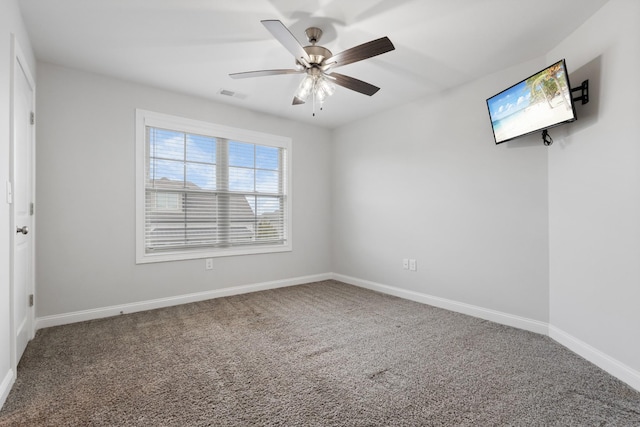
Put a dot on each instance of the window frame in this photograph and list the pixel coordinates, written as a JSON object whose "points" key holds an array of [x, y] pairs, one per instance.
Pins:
{"points": [[146, 118]]}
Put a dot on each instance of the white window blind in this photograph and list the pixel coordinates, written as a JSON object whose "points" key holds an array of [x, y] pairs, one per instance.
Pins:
{"points": [[208, 192]]}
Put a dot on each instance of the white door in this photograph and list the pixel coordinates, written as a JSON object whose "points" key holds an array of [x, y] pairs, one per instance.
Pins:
{"points": [[23, 189]]}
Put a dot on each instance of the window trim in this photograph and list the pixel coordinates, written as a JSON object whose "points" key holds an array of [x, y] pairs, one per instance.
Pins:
{"points": [[146, 118]]}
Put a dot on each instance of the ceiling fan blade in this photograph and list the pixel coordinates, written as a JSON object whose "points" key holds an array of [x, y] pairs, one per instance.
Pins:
{"points": [[284, 36], [360, 52], [353, 84], [297, 101], [262, 73]]}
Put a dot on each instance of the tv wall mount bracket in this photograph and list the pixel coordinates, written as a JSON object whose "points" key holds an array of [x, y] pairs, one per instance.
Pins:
{"points": [[583, 97], [584, 92]]}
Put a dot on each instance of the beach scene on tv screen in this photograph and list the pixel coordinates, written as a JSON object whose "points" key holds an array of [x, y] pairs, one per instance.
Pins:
{"points": [[541, 101]]}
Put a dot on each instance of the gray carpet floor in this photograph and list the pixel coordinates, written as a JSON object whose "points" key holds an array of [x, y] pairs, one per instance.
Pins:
{"points": [[322, 354]]}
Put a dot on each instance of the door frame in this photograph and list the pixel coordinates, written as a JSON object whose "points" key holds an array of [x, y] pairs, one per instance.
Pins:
{"points": [[19, 64]]}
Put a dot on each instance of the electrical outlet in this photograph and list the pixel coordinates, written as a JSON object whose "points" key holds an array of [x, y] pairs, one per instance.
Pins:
{"points": [[412, 265], [405, 263], [208, 264]]}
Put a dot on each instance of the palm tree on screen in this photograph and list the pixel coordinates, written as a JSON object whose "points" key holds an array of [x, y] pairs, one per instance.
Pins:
{"points": [[546, 85]]}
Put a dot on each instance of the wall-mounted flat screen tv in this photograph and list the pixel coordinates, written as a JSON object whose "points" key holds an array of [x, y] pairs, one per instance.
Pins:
{"points": [[534, 104]]}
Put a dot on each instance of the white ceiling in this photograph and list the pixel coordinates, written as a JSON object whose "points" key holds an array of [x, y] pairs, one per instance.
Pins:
{"points": [[191, 46]]}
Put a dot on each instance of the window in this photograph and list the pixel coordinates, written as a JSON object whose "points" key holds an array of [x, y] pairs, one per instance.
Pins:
{"points": [[205, 190]]}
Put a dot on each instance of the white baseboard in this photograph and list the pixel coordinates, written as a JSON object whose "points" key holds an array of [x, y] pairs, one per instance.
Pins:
{"points": [[602, 360], [460, 307], [612, 366], [595, 356], [99, 313], [5, 386]]}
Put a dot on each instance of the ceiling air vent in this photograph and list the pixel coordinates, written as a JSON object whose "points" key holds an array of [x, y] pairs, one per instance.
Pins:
{"points": [[232, 94]]}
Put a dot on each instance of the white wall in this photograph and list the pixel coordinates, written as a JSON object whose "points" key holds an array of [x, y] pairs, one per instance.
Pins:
{"points": [[85, 191], [426, 181], [10, 23], [594, 191]]}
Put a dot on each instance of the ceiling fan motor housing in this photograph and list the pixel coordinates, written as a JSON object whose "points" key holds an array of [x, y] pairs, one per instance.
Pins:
{"points": [[317, 54]]}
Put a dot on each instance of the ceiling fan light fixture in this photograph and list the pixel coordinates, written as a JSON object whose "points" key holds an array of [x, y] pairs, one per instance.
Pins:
{"points": [[324, 88], [316, 85], [305, 88]]}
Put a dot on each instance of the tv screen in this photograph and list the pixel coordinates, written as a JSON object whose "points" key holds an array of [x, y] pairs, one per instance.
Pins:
{"points": [[536, 103]]}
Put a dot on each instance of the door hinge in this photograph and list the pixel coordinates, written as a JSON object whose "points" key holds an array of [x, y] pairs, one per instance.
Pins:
{"points": [[31, 300], [32, 118], [32, 209], [9, 192]]}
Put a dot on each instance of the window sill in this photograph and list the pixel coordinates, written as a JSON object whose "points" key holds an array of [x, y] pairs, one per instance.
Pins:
{"points": [[183, 255]]}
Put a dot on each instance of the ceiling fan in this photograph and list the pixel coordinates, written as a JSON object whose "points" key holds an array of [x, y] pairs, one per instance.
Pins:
{"points": [[318, 62]]}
